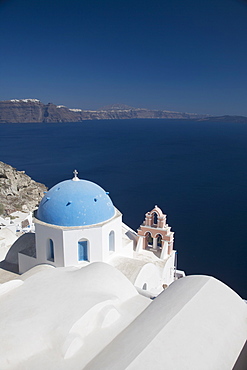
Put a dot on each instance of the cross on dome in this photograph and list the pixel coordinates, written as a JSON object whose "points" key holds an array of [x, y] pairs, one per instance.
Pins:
{"points": [[75, 178]]}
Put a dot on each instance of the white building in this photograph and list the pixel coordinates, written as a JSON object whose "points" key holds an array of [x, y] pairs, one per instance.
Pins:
{"points": [[10, 229], [75, 305], [77, 223]]}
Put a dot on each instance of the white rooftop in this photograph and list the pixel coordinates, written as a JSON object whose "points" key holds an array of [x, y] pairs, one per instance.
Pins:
{"points": [[93, 318]]}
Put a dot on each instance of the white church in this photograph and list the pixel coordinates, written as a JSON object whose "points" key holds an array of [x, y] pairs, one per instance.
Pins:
{"points": [[76, 224], [87, 292]]}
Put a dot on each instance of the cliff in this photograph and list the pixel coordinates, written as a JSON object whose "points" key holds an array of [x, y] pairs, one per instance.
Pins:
{"points": [[18, 191], [33, 110]]}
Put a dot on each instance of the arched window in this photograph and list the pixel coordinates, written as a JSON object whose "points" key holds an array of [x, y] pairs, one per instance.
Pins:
{"points": [[83, 250], [50, 250], [144, 286], [159, 241], [112, 241], [155, 219], [148, 241]]}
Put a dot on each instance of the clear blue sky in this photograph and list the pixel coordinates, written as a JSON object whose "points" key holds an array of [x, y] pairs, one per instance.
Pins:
{"points": [[182, 55]]}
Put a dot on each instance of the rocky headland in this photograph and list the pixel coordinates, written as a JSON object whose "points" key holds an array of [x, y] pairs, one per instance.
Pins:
{"points": [[18, 191], [230, 119]]}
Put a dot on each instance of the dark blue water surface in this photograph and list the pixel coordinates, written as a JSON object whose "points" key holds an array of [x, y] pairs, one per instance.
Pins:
{"points": [[196, 172]]}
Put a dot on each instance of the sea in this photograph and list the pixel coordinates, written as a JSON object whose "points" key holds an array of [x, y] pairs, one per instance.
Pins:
{"points": [[196, 172]]}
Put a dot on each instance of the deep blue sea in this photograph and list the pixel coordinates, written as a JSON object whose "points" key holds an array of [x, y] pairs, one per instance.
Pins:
{"points": [[196, 172]]}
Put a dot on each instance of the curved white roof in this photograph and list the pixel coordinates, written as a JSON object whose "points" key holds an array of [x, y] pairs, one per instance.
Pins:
{"points": [[93, 319], [60, 318], [197, 323]]}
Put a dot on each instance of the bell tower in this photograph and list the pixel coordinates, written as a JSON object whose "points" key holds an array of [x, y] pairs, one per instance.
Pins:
{"points": [[156, 235]]}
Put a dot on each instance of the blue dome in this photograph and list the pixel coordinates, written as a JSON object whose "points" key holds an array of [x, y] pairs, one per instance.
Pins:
{"points": [[75, 203]]}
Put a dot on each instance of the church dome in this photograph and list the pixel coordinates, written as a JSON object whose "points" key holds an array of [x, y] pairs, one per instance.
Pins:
{"points": [[75, 203]]}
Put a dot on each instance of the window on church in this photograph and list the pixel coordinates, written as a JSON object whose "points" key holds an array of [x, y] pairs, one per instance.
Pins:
{"points": [[50, 250], [83, 250], [112, 241]]}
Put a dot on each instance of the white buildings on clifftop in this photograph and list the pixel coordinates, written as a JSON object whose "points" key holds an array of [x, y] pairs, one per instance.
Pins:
{"points": [[12, 227]]}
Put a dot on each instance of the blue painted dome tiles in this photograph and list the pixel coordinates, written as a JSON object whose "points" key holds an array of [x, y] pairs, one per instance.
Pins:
{"points": [[75, 203]]}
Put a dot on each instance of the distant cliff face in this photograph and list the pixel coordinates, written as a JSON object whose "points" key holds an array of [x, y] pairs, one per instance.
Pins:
{"points": [[32, 110], [18, 191], [21, 111]]}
